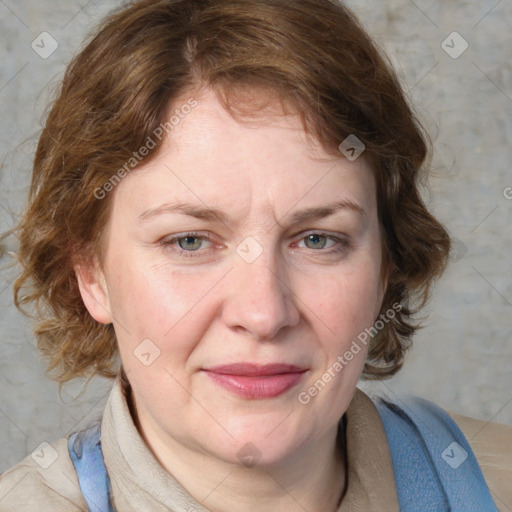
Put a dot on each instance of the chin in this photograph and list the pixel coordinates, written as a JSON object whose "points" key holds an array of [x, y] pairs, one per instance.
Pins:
{"points": [[260, 442]]}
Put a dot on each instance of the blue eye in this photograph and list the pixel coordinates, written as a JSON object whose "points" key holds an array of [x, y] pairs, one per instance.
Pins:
{"points": [[199, 245], [315, 241], [190, 242], [319, 241]]}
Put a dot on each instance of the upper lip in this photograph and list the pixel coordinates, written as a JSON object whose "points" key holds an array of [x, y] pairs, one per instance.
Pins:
{"points": [[255, 370]]}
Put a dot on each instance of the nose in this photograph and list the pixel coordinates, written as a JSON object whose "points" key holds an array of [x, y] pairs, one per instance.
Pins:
{"points": [[260, 301]]}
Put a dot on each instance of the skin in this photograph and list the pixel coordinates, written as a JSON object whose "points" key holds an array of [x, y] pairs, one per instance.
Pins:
{"points": [[302, 301]]}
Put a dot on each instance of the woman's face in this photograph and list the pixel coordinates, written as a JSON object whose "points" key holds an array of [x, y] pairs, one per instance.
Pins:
{"points": [[239, 266]]}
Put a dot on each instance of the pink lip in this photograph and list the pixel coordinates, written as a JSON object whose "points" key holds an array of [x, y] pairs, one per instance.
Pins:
{"points": [[256, 381]]}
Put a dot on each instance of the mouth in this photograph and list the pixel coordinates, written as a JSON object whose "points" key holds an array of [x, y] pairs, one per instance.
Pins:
{"points": [[253, 381]]}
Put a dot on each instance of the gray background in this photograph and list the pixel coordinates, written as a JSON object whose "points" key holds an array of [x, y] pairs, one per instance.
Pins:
{"points": [[462, 358]]}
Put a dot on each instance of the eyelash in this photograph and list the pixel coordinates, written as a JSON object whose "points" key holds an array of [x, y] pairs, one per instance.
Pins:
{"points": [[168, 244], [342, 244]]}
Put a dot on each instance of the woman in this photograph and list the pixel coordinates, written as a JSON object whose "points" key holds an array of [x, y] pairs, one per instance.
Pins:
{"points": [[224, 216]]}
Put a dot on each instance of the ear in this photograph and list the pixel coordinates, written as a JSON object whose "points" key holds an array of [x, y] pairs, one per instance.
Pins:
{"points": [[93, 289]]}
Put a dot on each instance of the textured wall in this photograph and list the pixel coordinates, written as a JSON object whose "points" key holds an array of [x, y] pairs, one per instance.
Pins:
{"points": [[463, 357]]}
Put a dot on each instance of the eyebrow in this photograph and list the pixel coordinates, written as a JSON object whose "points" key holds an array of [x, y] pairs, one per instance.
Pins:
{"points": [[212, 214], [326, 211], [202, 213]]}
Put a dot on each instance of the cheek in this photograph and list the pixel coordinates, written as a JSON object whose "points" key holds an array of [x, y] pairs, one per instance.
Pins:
{"points": [[169, 308], [347, 302], [140, 300], [151, 297]]}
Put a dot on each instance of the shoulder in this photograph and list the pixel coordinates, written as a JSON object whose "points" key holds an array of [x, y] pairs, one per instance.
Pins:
{"points": [[492, 446], [45, 480]]}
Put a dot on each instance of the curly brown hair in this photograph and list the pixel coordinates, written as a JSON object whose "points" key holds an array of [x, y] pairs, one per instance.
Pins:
{"points": [[312, 55]]}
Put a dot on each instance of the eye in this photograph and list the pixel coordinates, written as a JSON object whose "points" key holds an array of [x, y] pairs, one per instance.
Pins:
{"points": [[318, 241], [190, 242], [324, 245]]}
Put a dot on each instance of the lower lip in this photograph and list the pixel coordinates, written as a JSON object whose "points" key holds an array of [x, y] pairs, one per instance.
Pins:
{"points": [[268, 386]]}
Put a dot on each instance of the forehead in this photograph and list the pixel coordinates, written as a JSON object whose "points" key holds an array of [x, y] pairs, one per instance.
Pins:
{"points": [[256, 117], [212, 157]]}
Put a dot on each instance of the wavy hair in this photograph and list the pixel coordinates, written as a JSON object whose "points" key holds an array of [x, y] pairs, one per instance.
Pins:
{"points": [[312, 55]]}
